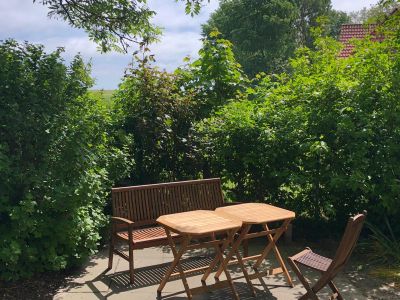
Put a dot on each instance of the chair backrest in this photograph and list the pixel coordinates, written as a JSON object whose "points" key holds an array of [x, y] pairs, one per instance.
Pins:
{"points": [[143, 204], [346, 247]]}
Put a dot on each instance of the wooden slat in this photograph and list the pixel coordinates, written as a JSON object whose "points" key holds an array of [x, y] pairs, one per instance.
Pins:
{"points": [[165, 196], [155, 202], [211, 197], [195, 270], [119, 203], [259, 234], [161, 201], [146, 209], [220, 192], [121, 207], [193, 194], [167, 184], [198, 222], [144, 213], [144, 234], [130, 206], [140, 210], [144, 204], [123, 255], [124, 208], [268, 272], [176, 200], [202, 196], [185, 195], [114, 203], [129, 198], [198, 191], [255, 213], [253, 257], [169, 197]]}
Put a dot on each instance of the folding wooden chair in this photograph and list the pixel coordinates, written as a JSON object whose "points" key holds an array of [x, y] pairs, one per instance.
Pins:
{"points": [[329, 268]]}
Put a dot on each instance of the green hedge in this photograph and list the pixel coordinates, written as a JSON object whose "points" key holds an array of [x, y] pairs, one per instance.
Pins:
{"points": [[57, 162], [323, 139]]}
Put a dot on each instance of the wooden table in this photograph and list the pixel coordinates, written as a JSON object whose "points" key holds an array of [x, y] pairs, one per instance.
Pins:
{"points": [[198, 224], [256, 214]]}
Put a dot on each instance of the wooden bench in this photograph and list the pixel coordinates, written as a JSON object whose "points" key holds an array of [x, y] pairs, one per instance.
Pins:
{"points": [[136, 208]]}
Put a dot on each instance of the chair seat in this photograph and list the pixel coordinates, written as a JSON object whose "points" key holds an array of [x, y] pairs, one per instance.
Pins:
{"points": [[148, 234], [313, 260]]}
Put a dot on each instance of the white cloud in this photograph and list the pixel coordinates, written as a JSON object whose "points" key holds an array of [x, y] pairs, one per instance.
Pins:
{"points": [[181, 35], [171, 15], [23, 20], [353, 5], [23, 17], [175, 46]]}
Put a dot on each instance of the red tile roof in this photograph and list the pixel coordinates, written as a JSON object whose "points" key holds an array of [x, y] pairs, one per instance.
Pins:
{"points": [[355, 31]]}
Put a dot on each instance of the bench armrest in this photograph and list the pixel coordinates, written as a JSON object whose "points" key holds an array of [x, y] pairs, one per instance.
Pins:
{"points": [[125, 223], [122, 220]]}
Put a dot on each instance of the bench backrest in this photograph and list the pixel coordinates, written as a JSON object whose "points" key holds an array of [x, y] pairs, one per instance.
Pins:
{"points": [[143, 204]]}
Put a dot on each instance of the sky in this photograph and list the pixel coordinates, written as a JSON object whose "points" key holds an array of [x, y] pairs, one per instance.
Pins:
{"points": [[24, 21]]}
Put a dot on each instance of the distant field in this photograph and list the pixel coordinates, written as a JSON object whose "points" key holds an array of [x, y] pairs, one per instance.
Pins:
{"points": [[105, 94]]}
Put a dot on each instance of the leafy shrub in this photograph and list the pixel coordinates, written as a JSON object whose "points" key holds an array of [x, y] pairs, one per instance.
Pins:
{"points": [[56, 161], [151, 111], [214, 78], [322, 140], [157, 111]]}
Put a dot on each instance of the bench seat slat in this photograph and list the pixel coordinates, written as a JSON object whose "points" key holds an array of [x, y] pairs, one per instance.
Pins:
{"points": [[145, 234]]}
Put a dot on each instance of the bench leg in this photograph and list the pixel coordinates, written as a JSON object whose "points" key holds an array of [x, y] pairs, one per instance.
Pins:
{"points": [[111, 254], [131, 264]]}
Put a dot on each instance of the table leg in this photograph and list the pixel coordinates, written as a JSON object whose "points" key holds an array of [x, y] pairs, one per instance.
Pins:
{"points": [[176, 263], [220, 257], [235, 250], [245, 273], [272, 245], [216, 259], [235, 246]]}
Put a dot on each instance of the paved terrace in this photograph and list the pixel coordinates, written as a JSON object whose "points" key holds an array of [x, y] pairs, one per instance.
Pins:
{"points": [[151, 264]]}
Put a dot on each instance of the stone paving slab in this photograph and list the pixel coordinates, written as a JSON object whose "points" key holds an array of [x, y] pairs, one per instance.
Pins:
{"points": [[151, 264]]}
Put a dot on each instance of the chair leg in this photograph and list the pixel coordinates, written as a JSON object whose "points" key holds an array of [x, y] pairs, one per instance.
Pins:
{"points": [[131, 271], [335, 291], [310, 293]]}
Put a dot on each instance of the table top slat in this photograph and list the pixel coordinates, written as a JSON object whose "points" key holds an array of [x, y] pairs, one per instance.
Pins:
{"points": [[198, 222], [255, 213]]}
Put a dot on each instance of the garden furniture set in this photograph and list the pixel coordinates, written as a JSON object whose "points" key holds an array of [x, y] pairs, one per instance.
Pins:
{"points": [[194, 215]]}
